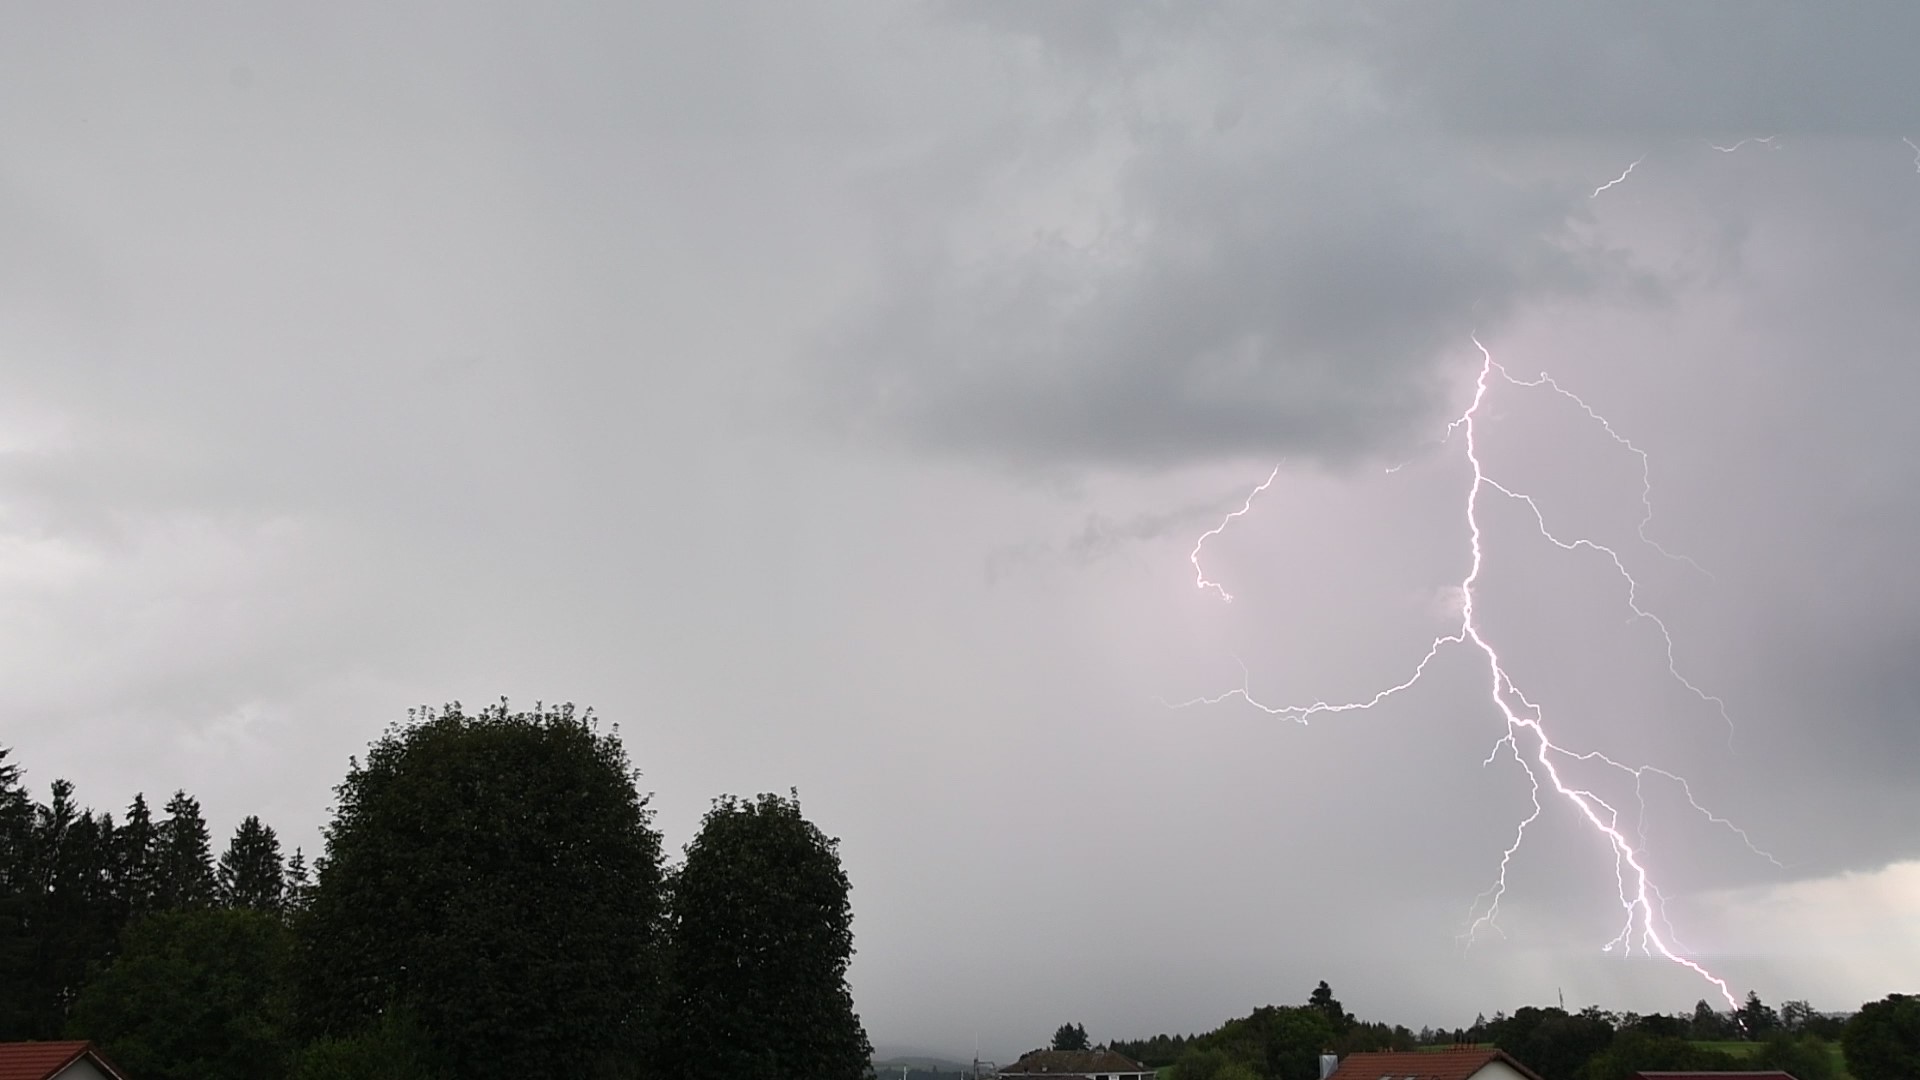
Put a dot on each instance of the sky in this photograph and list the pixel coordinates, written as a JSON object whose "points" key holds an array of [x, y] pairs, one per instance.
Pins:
{"points": [[831, 396]]}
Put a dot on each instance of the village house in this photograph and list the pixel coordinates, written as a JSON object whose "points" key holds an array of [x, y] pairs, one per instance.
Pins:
{"points": [[55, 1061]]}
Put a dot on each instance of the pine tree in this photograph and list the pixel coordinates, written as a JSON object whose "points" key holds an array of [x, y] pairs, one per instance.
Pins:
{"points": [[136, 856], [185, 878], [297, 890], [16, 942], [250, 873]]}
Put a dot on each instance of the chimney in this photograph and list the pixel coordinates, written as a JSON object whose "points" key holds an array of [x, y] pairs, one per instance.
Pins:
{"points": [[1328, 1063]]}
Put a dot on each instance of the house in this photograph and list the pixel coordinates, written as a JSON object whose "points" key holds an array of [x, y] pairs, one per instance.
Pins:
{"points": [[1458, 1063], [55, 1061], [1087, 1064]]}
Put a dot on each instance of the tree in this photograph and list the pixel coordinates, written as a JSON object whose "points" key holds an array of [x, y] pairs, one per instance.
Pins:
{"points": [[1756, 1018], [1199, 1064], [193, 995], [1804, 1057], [1636, 1049], [1708, 1025], [765, 933], [1882, 1041], [16, 892], [251, 874], [297, 889], [1070, 1037], [185, 856], [1323, 1001], [1551, 1042], [496, 876], [394, 1048], [1795, 1014], [1280, 1042], [136, 863]]}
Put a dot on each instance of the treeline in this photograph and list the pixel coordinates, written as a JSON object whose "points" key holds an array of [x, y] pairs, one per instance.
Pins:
{"points": [[493, 901], [1283, 1042], [72, 882]]}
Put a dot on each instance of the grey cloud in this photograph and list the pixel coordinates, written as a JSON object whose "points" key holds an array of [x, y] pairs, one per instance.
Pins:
{"points": [[1262, 278]]}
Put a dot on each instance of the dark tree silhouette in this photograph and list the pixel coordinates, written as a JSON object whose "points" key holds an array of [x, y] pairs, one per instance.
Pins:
{"points": [[765, 932], [1882, 1041], [250, 874], [185, 856], [1071, 1037], [497, 877]]}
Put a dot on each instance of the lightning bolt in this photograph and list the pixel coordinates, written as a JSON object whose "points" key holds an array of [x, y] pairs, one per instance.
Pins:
{"points": [[1741, 143], [1618, 179], [1199, 575], [1915, 147], [1525, 737]]}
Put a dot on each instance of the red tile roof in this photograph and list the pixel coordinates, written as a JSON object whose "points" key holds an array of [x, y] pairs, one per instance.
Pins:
{"points": [[40, 1060], [1423, 1065]]}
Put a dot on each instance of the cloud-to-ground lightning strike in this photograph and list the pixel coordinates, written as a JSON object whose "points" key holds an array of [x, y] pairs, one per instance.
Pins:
{"points": [[1628, 171], [1526, 737]]}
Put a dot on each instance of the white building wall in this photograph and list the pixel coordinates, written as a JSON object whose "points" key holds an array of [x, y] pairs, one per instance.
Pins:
{"points": [[1499, 1070], [81, 1070]]}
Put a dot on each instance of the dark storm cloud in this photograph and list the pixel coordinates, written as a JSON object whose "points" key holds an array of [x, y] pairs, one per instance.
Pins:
{"points": [[1268, 235], [1226, 269]]}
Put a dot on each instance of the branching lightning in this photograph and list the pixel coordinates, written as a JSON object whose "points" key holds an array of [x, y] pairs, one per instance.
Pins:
{"points": [[1525, 737]]}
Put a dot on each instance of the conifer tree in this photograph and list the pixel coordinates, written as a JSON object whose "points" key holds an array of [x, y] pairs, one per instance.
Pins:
{"points": [[251, 874], [185, 866]]}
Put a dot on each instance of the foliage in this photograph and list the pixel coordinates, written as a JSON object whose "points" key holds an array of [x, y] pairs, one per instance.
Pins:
{"points": [[1279, 1042], [1550, 1041], [393, 1048], [497, 876], [1071, 1037], [185, 856], [1635, 1049], [1215, 1064], [1805, 1057], [1882, 1041], [764, 933], [194, 995], [1323, 1002], [250, 874], [1158, 1051], [1756, 1018], [1708, 1025]]}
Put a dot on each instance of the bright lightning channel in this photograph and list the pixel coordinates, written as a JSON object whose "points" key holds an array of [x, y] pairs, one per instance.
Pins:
{"points": [[1730, 149], [1526, 738], [1915, 147], [1618, 179]]}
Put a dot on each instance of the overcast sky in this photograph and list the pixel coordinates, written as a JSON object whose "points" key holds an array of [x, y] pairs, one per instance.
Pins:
{"points": [[831, 396]]}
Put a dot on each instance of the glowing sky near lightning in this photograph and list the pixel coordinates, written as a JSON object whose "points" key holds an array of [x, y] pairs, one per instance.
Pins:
{"points": [[1526, 736], [832, 395]]}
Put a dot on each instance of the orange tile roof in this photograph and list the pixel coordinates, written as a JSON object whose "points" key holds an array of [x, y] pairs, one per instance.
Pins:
{"points": [[1046, 1062], [1423, 1065], [40, 1060]]}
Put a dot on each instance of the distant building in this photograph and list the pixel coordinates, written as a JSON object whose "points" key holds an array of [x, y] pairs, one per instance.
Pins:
{"points": [[1084, 1064], [55, 1061], [1459, 1063]]}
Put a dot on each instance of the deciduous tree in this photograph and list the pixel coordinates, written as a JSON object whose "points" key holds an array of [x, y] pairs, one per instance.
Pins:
{"points": [[497, 876], [1882, 1041], [764, 935], [198, 994]]}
